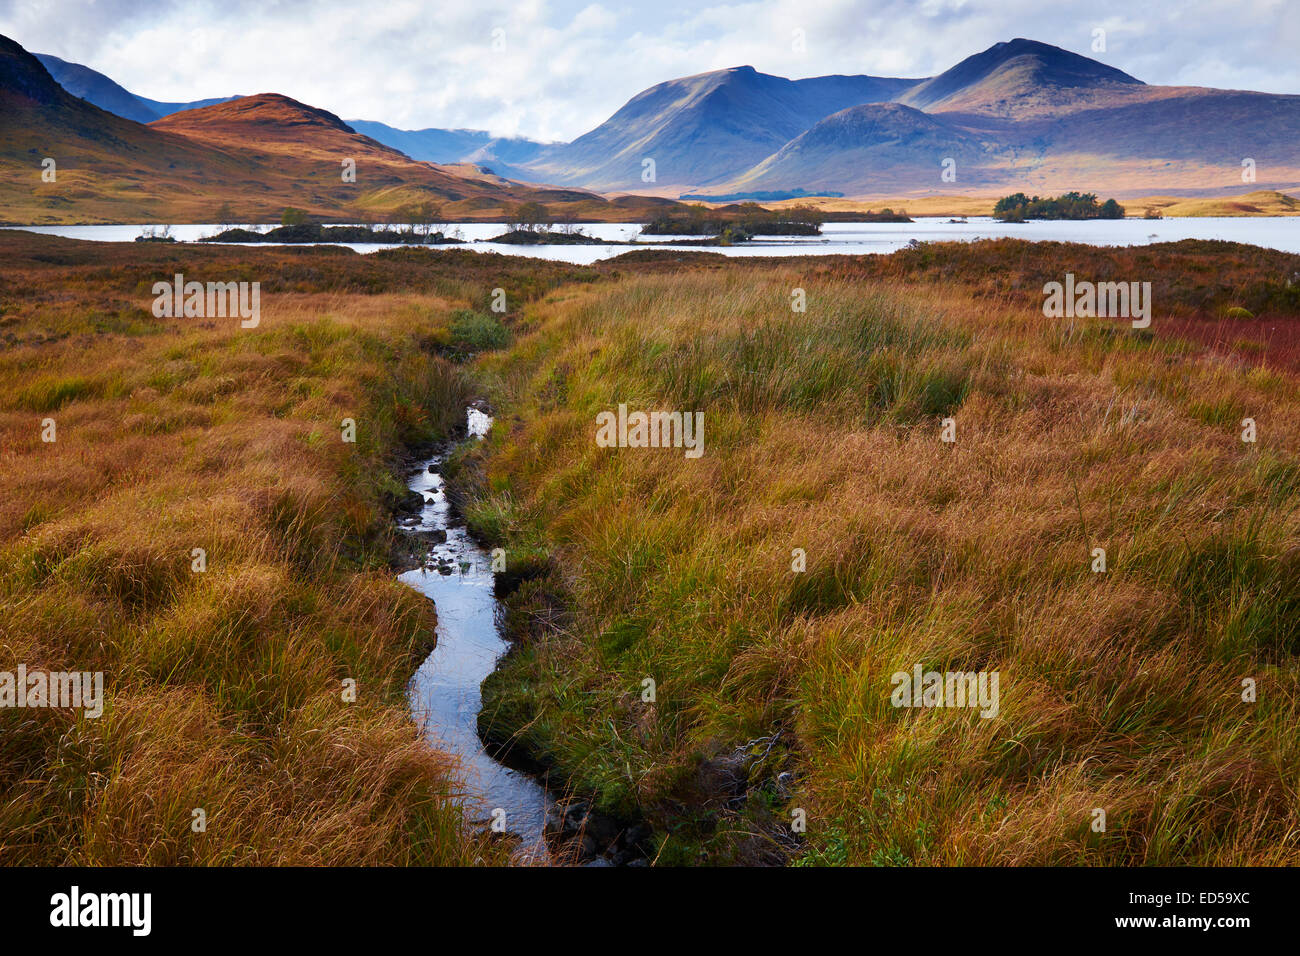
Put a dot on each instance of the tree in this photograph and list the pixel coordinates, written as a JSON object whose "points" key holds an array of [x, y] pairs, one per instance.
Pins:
{"points": [[292, 216], [420, 216], [225, 215], [1012, 205], [1110, 209], [806, 213], [529, 215]]}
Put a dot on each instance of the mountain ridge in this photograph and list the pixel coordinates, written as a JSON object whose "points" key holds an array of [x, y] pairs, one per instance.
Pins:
{"points": [[1021, 115], [107, 94], [689, 125], [256, 154]]}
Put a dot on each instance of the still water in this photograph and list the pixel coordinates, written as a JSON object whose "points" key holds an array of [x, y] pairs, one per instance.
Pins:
{"points": [[838, 238]]}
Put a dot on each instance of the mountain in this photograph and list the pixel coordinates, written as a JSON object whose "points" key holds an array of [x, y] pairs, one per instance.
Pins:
{"points": [[163, 108], [433, 145], [96, 88], [881, 145], [258, 154], [701, 128], [1020, 116], [106, 168], [1017, 79], [448, 146], [1026, 116], [273, 129], [477, 146]]}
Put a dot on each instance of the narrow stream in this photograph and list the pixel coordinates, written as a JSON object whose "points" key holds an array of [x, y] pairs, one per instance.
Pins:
{"points": [[444, 693]]}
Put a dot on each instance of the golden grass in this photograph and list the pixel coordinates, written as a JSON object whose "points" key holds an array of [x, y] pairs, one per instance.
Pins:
{"points": [[1262, 202], [1120, 691], [224, 688], [917, 205]]}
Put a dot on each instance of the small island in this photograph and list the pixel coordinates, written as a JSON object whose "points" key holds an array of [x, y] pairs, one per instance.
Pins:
{"points": [[737, 222], [419, 226], [543, 236], [314, 232], [1021, 208]]}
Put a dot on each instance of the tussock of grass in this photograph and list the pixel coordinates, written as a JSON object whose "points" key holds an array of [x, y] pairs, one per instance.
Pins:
{"points": [[477, 331]]}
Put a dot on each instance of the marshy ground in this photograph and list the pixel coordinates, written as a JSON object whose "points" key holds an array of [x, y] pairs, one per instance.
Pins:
{"points": [[1120, 690]]}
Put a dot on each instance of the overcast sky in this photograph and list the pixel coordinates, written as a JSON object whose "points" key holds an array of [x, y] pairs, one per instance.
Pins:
{"points": [[552, 69]]}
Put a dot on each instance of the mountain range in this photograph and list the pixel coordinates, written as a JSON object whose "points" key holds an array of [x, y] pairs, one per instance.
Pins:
{"points": [[1020, 116], [238, 159], [446, 146], [699, 129]]}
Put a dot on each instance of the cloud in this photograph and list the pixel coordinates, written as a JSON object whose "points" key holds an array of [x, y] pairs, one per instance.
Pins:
{"points": [[558, 68]]}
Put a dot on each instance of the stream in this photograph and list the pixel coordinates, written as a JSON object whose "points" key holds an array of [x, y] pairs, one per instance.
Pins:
{"points": [[444, 693]]}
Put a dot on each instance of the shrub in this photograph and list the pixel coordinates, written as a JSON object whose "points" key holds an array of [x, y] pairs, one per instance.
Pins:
{"points": [[477, 331]]}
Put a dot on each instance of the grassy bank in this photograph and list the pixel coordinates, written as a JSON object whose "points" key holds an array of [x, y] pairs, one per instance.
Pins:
{"points": [[1121, 690], [224, 680]]}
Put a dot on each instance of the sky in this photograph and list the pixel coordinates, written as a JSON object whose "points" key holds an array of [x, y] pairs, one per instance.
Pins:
{"points": [[553, 70]]}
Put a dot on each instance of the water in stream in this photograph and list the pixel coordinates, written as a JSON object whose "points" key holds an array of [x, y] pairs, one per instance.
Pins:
{"points": [[444, 692]]}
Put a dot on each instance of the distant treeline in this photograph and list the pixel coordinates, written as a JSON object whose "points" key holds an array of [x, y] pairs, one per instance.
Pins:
{"points": [[1019, 207]]}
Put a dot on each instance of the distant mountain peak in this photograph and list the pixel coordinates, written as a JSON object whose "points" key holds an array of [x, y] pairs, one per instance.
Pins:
{"points": [[1014, 75]]}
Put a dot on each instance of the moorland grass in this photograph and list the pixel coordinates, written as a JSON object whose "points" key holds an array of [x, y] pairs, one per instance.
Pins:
{"points": [[1120, 690], [225, 686]]}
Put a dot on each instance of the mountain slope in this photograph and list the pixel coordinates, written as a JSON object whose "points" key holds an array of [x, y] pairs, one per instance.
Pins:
{"points": [[1027, 116], [275, 129], [98, 89], [106, 168], [1021, 115], [476, 147], [700, 128], [94, 87], [876, 145], [163, 108]]}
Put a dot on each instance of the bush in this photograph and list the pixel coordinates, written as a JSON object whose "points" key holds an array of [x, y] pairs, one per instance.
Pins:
{"points": [[477, 331]]}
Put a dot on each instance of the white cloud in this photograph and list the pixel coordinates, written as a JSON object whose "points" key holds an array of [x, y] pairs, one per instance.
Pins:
{"points": [[568, 64]]}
